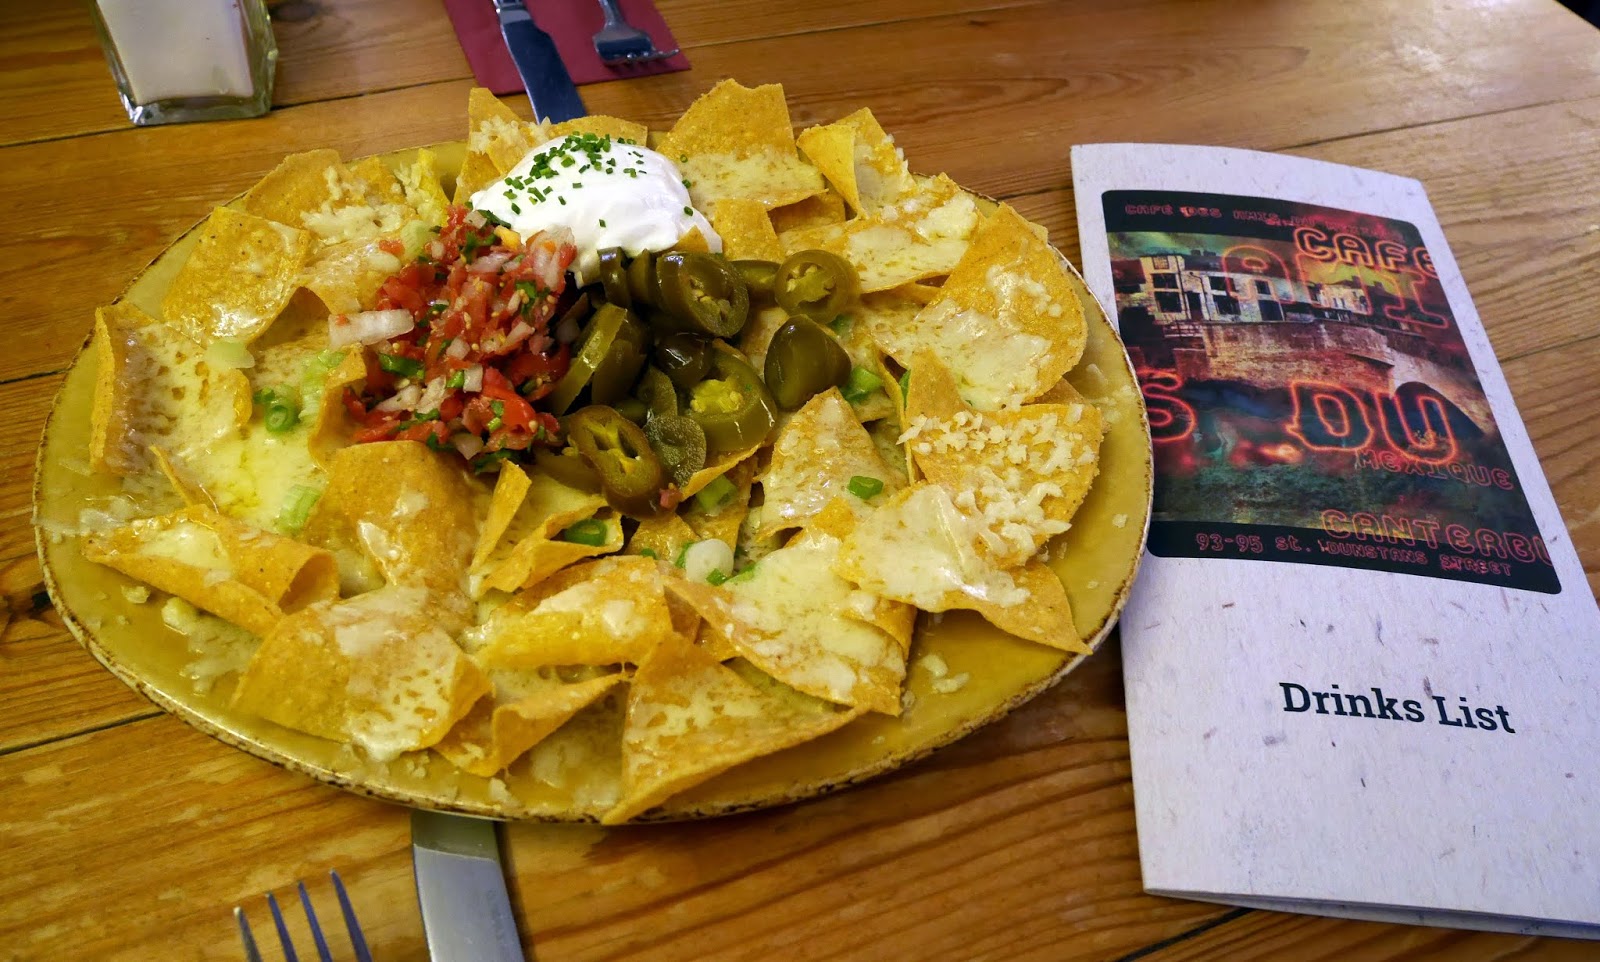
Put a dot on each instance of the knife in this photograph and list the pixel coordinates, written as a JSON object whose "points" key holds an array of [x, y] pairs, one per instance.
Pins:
{"points": [[544, 76], [466, 911]]}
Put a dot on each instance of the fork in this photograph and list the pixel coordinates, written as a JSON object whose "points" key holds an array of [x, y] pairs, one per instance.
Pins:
{"points": [[358, 942], [620, 42]]}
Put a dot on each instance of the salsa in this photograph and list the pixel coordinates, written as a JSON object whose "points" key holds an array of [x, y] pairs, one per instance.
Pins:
{"points": [[478, 353]]}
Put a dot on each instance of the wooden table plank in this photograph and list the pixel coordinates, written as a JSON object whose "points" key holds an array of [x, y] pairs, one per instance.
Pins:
{"points": [[55, 83], [1504, 201], [101, 866], [137, 189], [1018, 840]]}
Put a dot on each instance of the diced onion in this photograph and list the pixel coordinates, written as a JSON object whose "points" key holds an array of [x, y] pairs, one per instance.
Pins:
{"points": [[489, 263], [571, 323], [519, 332], [468, 444], [404, 400], [474, 379], [433, 396], [228, 354], [368, 327], [476, 218], [457, 349]]}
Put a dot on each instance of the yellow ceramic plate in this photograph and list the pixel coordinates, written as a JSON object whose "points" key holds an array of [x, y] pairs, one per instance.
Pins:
{"points": [[1096, 560]]}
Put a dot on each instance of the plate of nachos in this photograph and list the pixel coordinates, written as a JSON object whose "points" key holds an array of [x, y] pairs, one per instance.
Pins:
{"points": [[597, 473]]}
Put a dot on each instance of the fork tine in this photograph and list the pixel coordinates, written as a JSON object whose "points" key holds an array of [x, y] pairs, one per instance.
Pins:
{"points": [[358, 941], [316, 930], [251, 953], [283, 930]]}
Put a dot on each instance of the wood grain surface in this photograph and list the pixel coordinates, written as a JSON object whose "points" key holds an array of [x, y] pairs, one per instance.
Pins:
{"points": [[127, 835]]}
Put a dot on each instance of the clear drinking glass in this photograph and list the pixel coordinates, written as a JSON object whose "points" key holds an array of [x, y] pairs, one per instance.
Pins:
{"points": [[180, 60]]}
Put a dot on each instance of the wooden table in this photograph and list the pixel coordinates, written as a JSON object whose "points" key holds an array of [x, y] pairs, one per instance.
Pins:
{"points": [[124, 834]]}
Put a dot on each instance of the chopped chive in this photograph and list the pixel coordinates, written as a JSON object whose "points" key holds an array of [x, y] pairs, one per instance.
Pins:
{"points": [[864, 487]]}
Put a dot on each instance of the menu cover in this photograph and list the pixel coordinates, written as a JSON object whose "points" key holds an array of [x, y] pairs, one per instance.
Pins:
{"points": [[1362, 659]]}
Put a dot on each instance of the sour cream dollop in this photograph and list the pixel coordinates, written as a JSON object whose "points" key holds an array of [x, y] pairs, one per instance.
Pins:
{"points": [[608, 192]]}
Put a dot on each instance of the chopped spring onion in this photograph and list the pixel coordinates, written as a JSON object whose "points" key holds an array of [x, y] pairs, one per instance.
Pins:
{"points": [[590, 531], [716, 577], [647, 553], [864, 487], [455, 381], [744, 575], [715, 495], [400, 365], [840, 324], [683, 553], [282, 408], [297, 508], [862, 383]]}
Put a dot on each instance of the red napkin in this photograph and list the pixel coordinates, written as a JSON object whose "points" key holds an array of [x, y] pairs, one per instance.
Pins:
{"points": [[572, 24]]}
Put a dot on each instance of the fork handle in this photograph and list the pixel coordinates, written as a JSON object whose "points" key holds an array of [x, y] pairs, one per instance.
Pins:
{"points": [[613, 12]]}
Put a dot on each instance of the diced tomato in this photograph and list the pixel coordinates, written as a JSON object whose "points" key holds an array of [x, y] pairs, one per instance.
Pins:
{"points": [[478, 303]]}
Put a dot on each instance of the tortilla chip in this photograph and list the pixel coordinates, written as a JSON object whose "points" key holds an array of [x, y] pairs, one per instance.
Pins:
{"points": [[1024, 470], [182, 480], [733, 119], [498, 732], [604, 612], [816, 455], [497, 133], [884, 256], [736, 142], [376, 670], [238, 572], [819, 210], [538, 556], [153, 386], [693, 242], [860, 160], [477, 172], [299, 183], [896, 619], [723, 520], [331, 428], [238, 277], [1011, 294], [746, 231], [690, 718], [921, 548], [757, 334], [663, 535], [410, 509], [788, 616], [602, 126], [346, 276], [520, 543], [716, 468], [423, 191]]}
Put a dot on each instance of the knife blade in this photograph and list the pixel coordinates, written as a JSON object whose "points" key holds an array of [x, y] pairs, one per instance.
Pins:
{"points": [[544, 76], [466, 910]]}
